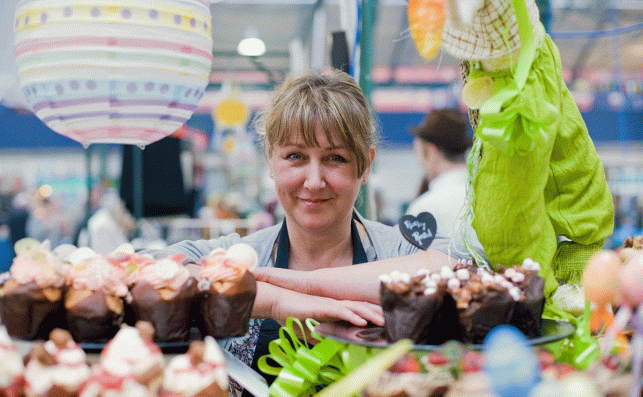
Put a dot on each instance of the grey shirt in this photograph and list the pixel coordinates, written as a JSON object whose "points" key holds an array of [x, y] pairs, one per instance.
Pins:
{"points": [[383, 242]]}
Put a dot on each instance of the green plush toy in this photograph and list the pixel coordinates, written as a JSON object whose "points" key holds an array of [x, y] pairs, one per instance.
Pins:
{"points": [[538, 186]]}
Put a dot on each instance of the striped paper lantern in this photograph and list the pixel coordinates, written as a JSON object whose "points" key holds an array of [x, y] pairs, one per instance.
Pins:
{"points": [[113, 71]]}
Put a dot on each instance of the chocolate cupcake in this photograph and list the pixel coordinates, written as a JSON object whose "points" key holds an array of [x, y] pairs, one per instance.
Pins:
{"points": [[162, 292], [131, 364], [201, 372], [228, 291], [94, 298], [57, 367], [527, 315], [417, 308], [463, 304], [31, 294]]}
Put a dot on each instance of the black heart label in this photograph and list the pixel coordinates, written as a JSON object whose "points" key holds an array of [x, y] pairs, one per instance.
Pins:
{"points": [[419, 230]]}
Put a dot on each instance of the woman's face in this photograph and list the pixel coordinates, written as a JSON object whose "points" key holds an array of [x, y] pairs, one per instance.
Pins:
{"points": [[316, 186]]}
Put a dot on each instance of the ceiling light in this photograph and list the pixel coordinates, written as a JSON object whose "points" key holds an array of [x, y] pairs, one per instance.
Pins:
{"points": [[251, 45]]}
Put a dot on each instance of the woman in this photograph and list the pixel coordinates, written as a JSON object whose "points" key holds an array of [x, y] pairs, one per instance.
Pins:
{"points": [[319, 138]]}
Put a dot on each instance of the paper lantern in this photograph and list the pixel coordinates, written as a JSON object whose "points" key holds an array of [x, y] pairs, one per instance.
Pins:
{"points": [[231, 111], [426, 19], [113, 71]]}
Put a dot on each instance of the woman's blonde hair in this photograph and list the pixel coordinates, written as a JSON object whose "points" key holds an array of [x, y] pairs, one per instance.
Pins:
{"points": [[333, 101]]}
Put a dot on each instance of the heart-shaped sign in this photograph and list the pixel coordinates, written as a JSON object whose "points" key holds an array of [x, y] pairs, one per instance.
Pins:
{"points": [[419, 230]]}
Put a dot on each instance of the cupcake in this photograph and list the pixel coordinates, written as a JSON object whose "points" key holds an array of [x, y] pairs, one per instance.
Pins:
{"points": [[162, 292], [31, 294], [94, 297], [527, 314], [12, 368], [131, 364], [125, 258], [199, 372], [228, 291], [463, 303], [57, 367]]}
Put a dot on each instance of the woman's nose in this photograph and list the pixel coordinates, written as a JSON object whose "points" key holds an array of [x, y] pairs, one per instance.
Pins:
{"points": [[314, 176]]}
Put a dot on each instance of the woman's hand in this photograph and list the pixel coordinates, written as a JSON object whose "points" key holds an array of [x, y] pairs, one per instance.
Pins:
{"points": [[322, 309]]}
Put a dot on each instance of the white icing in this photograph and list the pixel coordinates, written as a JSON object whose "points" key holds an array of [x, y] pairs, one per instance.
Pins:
{"points": [[429, 283], [518, 277], [243, 254], [183, 378], [453, 283], [499, 278], [462, 274], [204, 284], [11, 365], [385, 278], [530, 264], [446, 272], [166, 269], [128, 354], [515, 293], [486, 277], [429, 291], [509, 273], [423, 271]]}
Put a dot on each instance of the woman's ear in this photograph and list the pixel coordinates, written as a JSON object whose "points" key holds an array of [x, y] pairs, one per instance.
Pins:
{"points": [[367, 172], [271, 170]]}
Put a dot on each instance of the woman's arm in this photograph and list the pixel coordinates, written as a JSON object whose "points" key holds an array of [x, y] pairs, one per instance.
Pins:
{"points": [[194, 250], [356, 282], [280, 303]]}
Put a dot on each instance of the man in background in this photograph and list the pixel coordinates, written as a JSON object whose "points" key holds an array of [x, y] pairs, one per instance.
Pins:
{"points": [[441, 144]]}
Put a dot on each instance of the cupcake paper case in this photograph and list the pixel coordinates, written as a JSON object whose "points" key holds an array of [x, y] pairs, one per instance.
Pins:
{"points": [[162, 292], [94, 299], [31, 296], [228, 291]]}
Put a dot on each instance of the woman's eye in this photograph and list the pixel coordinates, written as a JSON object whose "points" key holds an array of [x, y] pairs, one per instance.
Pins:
{"points": [[293, 156], [337, 158]]}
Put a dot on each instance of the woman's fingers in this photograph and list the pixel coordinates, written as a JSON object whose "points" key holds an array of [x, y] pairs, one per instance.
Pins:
{"points": [[361, 313], [323, 309], [357, 313]]}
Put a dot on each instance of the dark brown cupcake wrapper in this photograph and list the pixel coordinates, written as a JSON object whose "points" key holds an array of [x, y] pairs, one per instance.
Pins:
{"points": [[434, 319], [171, 318], [28, 314], [90, 320], [227, 314]]}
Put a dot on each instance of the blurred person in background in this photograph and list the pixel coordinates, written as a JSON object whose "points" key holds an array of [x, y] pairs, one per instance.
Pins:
{"points": [[46, 220], [441, 144]]}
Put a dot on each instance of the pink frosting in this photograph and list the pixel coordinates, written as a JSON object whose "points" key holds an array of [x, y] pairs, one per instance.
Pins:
{"points": [[40, 266], [129, 263], [97, 273], [163, 273], [229, 265]]}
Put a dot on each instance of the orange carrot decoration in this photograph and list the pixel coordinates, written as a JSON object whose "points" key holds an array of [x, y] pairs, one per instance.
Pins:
{"points": [[600, 318], [426, 18], [600, 284]]}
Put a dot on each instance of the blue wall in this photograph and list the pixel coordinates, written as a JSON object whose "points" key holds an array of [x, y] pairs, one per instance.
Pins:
{"points": [[25, 131]]}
